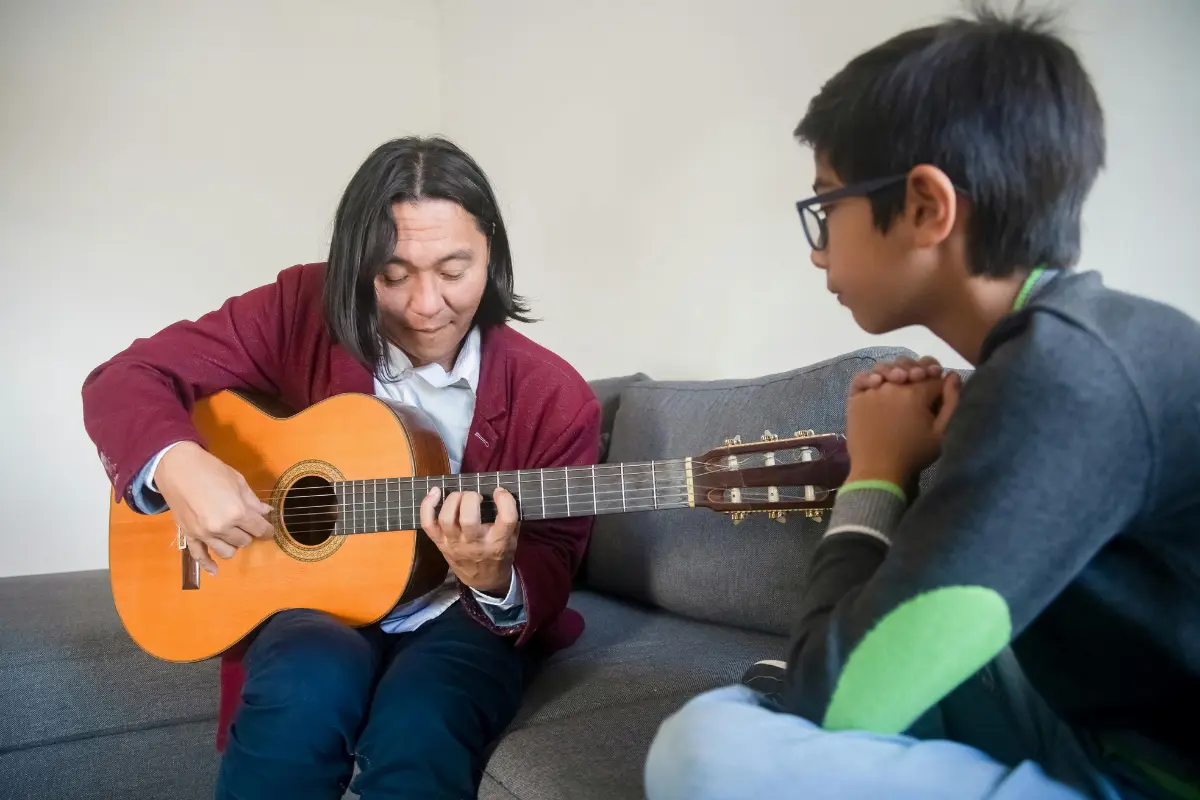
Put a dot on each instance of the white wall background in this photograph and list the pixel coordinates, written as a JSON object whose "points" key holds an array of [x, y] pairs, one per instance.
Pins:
{"points": [[643, 151], [156, 158]]}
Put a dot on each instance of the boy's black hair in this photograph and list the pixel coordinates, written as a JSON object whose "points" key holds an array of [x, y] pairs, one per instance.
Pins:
{"points": [[1002, 106], [364, 237]]}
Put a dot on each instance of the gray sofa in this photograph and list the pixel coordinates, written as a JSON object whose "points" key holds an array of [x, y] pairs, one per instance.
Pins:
{"points": [[676, 602]]}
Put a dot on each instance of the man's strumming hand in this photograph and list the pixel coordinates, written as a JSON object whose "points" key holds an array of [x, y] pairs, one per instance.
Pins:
{"points": [[214, 507]]}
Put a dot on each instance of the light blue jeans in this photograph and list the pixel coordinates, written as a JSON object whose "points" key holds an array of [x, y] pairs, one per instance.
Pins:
{"points": [[732, 743]]}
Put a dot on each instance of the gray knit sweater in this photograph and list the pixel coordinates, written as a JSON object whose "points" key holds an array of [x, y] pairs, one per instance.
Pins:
{"points": [[1064, 520]]}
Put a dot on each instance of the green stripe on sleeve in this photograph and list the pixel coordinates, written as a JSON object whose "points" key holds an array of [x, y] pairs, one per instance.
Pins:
{"points": [[887, 486]]}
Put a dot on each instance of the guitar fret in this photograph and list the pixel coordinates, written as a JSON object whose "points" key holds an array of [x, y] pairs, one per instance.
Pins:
{"points": [[623, 507], [542, 476], [654, 483], [567, 488], [595, 495], [387, 505]]}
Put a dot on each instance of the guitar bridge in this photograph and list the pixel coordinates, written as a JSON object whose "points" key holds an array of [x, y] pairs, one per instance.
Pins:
{"points": [[191, 567]]}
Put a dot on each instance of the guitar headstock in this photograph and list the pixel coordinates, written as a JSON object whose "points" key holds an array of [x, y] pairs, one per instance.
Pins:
{"points": [[772, 476]]}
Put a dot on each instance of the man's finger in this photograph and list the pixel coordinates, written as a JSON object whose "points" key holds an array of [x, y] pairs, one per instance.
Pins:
{"points": [[237, 537], [200, 555], [221, 549], [468, 512], [448, 519], [429, 522], [506, 507], [256, 525], [252, 500]]}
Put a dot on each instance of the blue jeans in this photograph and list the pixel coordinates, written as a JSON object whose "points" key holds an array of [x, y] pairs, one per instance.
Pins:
{"points": [[732, 743], [417, 710]]}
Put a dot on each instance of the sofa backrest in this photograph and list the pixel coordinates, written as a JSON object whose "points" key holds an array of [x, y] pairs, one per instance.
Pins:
{"points": [[695, 562]]}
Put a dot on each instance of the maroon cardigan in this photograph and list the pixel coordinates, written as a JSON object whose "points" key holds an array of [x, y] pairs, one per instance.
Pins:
{"points": [[532, 410]]}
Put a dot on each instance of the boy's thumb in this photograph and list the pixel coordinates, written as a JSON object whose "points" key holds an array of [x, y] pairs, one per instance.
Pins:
{"points": [[951, 385]]}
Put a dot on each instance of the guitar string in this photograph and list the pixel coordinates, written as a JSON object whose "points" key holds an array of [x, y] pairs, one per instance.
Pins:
{"points": [[636, 504], [375, 495], [631, 468], [347, 511], [551, 498], [584, 472]]}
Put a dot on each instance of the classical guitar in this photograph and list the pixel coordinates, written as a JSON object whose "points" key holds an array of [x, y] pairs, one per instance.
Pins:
{"points": [[345, 479]]}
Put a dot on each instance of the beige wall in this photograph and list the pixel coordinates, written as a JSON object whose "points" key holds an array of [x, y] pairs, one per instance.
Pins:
{"points": [[643, 151], [156, 158]]}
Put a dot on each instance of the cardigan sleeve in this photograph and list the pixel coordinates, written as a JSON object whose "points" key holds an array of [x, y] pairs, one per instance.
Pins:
{"points": [[140, 400]]}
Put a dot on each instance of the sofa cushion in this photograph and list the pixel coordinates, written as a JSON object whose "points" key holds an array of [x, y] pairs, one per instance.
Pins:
{"points": [[68, 670], [175, 762], [608, 392], [695, 562], [587, 721]]}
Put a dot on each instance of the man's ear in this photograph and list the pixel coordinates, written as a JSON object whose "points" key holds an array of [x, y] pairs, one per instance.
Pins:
{"points": [[930, 205]]}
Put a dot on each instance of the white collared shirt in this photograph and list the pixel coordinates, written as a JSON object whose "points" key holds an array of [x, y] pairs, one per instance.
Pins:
{"points": [[447, 397]]}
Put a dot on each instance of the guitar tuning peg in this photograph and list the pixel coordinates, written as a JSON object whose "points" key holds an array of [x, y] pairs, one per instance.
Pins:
{"points": [[778, 516], [802, 434], [768, 436], [735, 440], [738, 517], [813, 514]]}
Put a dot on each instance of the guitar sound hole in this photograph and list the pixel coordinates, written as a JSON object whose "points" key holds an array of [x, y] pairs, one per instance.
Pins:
{"points": [[310, 510]]}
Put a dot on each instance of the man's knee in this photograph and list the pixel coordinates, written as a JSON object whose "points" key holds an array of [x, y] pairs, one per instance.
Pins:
{"points": [[311, 664]]}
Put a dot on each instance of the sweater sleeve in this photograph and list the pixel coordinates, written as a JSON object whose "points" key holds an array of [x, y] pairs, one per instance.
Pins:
{"points": [[1047, 458], [140, 400]]}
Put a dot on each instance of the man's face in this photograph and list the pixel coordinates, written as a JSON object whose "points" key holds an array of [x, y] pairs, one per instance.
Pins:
{"points": [[429, 291]]}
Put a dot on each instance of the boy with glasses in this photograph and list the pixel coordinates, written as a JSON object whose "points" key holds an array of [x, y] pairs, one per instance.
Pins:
{"points": [[952, 166]]}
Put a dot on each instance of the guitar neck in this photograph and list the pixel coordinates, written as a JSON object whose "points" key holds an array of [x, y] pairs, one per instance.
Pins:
{"points": [[390, 504]]}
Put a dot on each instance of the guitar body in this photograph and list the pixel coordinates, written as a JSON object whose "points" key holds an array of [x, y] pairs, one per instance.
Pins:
{"points": [[179, 613]]}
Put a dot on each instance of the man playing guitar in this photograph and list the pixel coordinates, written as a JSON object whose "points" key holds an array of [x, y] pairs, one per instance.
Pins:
{"points": [[412, 307]]}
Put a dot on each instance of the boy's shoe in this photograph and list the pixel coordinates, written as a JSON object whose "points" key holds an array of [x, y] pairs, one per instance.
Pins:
{"points": [[766, 678]]}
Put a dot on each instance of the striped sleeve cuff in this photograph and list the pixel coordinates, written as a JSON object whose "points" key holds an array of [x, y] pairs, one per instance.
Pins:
{"points": [[870, 508]]}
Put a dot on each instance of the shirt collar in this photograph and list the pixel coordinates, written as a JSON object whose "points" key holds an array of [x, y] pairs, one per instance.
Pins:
{"points": [[1033, 284], [466, 366]]}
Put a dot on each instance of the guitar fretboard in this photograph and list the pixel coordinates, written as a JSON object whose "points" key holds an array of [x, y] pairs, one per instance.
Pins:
{"points": [[390, 504]]}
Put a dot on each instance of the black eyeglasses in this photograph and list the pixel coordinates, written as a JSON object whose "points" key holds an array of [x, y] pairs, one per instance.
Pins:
{"points": [[812, 211]]}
